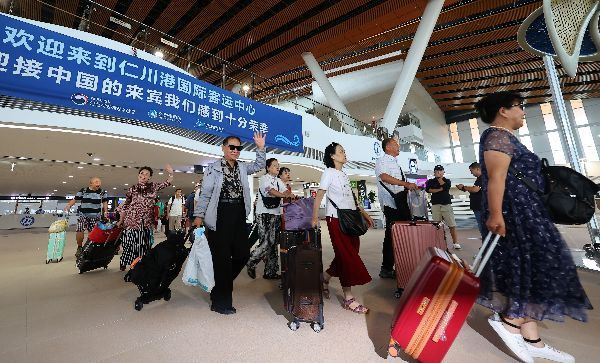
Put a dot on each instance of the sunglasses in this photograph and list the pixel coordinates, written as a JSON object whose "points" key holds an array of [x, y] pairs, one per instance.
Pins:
{"points": [[235, 147]]}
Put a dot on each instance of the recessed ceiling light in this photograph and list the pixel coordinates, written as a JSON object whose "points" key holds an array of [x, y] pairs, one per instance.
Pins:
{"points": [[161, 173], [70, 176], [55, 190], [114, 188], [64, 182], [96, 159], [126, 184], [297, 178], [159, 54], [80, 167]]}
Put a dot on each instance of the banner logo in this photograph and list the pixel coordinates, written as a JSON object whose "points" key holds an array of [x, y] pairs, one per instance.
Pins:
{"points": [[79, 99]]}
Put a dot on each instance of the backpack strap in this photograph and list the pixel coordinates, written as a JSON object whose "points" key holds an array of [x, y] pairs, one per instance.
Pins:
{"points": [[521, 177]]}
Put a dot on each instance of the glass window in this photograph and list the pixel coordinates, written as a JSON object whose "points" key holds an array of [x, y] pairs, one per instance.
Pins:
{"points": [[454, 134], [587, 141], [474, 130], [526, 140], [557, 150], [524, 130], [476, 148], [579, 112], [458, 156]]}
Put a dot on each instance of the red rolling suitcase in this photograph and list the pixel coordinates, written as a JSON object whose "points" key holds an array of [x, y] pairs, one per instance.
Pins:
{"points": [[411, 240], [436, 303]]}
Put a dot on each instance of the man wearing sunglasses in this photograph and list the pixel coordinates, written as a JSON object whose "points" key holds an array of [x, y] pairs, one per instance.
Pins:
{"points": [[223, 206]]}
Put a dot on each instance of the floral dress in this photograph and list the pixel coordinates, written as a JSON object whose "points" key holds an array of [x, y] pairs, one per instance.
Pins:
{"points": [[531, 272], [138, 210]]}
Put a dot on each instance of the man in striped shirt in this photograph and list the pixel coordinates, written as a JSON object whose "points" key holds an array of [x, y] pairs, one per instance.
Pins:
{"points": [[93, 201]]}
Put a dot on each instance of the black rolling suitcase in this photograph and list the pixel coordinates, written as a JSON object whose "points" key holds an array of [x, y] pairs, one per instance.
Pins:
{"points": [[301, 275], [99, 249], [155, 271]]}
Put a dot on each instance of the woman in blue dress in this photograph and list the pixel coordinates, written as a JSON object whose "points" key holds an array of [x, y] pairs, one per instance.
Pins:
{"points": [[531, 275]]}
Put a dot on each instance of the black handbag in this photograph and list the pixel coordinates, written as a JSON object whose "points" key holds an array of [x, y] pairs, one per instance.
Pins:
{"points": [[400, 198], [270, 202], [569, 195], [352, 222]]}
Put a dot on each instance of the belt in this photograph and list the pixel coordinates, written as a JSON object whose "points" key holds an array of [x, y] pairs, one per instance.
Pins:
{"points": [[231, 201]]}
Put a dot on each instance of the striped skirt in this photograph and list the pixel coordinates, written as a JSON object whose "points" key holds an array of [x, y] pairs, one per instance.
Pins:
{"points": [[135, 243]]}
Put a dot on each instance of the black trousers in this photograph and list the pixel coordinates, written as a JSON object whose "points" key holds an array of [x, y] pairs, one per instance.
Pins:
{"points": [[230, 251], [391, 215]]}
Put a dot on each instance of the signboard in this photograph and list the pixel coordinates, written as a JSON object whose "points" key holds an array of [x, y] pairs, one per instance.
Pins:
{"points": [[42, 65]]}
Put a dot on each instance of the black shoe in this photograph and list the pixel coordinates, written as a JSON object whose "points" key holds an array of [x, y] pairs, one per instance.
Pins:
{"points": [[224, 311], [251, 272], [272, 277], [78, 252], [387, 274]]}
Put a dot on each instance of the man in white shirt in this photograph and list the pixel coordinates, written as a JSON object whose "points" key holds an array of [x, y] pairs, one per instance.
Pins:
{"points": [[390, 176], [175, 211]]}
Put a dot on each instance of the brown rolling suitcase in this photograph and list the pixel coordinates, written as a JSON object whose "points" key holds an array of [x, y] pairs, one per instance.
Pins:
{"points": [[301, 275]]}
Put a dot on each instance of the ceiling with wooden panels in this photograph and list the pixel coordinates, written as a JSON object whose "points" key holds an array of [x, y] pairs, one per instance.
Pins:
{"points": [[473, 49]]}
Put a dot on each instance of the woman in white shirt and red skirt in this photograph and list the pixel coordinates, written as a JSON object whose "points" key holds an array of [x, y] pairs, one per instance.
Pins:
{"points": [[347, 264]]}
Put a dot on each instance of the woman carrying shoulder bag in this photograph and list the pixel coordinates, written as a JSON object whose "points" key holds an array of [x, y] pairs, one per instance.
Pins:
{"points": [[268, 217], [531, 275], [347, 264]]}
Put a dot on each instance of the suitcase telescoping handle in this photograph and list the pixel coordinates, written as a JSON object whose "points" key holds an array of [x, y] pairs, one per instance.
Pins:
{"points": [[484, 254]]}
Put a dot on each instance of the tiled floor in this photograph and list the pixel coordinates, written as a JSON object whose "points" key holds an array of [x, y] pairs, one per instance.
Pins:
{"points": [[50, 313]]}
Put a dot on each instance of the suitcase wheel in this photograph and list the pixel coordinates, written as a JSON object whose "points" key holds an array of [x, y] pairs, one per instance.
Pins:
{"points": [[393, 348], [316, 327], [59, 259], [293, 325], [80, 272], [398, 293], [47, 262], [138, 305], [105, 267], [167, 295]]}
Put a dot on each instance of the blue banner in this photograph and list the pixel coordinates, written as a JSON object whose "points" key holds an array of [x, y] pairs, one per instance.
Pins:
{"points": [[42, 65]]}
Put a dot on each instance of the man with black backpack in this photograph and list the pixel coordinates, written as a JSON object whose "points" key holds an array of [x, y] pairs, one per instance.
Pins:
{"points": [[175, 210]]}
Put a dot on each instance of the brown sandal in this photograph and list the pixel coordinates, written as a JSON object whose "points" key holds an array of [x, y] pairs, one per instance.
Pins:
{"points": [[360, 309]]}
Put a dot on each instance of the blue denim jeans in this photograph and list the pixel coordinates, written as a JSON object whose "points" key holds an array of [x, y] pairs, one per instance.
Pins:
{"points": [[480, 223]]}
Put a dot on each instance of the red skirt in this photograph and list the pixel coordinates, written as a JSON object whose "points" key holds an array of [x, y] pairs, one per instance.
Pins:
{"points": [[346, 264]]}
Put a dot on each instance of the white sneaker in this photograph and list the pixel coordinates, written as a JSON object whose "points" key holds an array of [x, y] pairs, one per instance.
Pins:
{"points": [[457, 246], [550, 353], [514, 342]]}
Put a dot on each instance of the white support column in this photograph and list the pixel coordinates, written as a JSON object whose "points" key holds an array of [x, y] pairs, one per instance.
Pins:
{"points": [[328, 91], [411, 63], [566, 129]]}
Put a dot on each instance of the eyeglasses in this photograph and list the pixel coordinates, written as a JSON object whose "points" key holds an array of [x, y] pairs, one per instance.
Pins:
{"points": [[235, 147], [520, 105]]}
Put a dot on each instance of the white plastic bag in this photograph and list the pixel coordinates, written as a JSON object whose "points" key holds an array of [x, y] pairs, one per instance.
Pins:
{"points": [[198, 269], [417, 203]]}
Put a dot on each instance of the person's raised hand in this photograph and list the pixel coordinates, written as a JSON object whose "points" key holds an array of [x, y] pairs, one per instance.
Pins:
{"points": [[259, 140]]}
